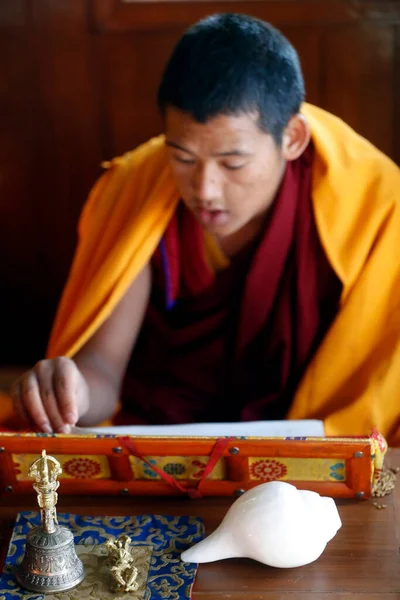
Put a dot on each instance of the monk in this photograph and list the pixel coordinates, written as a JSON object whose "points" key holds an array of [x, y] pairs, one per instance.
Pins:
{"points": [[242, 266]]}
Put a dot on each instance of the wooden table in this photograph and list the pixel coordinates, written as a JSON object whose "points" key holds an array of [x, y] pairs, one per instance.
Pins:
{"points": [[361, 562]]}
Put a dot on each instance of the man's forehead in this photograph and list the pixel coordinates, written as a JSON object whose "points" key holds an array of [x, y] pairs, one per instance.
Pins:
{"points": [[233, 151], [229, 132]]}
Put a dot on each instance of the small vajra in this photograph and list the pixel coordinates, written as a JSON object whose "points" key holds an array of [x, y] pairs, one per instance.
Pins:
{"points": [[45, 471], [123, 571]]}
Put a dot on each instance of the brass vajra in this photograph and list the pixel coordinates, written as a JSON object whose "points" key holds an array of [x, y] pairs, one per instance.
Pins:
{"points": [[45, 471], [122, 569]]}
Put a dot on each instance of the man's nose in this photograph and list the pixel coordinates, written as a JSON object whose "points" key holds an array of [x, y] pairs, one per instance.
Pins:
{"points": [[206, 183]]}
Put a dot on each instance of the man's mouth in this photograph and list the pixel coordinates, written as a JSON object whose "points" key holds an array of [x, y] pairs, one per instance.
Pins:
{"points": [[212, 216]]}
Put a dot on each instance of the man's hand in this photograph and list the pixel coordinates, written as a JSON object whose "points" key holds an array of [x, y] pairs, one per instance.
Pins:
{"points": [[52, 396]]}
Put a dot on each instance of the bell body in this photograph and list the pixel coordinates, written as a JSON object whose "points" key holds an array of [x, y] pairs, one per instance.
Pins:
{"points": [[50, 563], [273, 523]]}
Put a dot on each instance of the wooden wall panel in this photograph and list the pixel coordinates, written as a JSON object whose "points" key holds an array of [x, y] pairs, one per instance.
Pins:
{"points": [[359, 79], [148, 15], [307, 40], [70, 100], [52, 154], [131, 70], [13, 14], [18, 141], [78, 85]]}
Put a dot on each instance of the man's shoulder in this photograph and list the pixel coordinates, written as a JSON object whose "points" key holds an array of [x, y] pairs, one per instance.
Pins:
{"points": [[347, 162], [153, 150], [355, 192], [133, 181]]}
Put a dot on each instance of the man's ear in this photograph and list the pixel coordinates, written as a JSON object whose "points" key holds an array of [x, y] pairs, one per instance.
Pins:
{"points": [[296, 137]]}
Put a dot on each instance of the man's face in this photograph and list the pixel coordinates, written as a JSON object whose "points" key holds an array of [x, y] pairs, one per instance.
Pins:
{"points": [[227, 170]]}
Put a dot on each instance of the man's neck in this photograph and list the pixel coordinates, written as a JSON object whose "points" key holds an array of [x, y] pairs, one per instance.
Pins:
{"points": [[234, 243]]}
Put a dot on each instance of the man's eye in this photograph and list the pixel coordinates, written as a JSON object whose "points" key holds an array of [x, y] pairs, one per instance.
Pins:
{"points": [[185, 161], [233, 167]]}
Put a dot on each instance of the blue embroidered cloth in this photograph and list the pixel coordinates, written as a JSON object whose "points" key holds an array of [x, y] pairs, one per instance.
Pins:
{"points": [[157, 542]]}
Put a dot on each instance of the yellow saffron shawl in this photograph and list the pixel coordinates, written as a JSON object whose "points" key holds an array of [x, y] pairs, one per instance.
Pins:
{"points": [[353, 381]]}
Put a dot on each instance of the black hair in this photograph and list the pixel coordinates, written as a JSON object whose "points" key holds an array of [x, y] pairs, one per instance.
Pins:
{"points": [[233, 64]]}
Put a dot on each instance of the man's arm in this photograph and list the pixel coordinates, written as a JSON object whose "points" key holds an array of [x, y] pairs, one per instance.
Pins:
{"points": [[60, 392]]}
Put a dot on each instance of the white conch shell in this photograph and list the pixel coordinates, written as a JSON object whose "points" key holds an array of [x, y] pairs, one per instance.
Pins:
{"points": [[274, 523]]}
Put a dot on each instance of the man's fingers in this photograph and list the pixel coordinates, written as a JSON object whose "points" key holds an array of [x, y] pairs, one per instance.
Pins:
{"points": [[66, 379], [32, 402], [18, 404], [44, 372], [48, 395]]}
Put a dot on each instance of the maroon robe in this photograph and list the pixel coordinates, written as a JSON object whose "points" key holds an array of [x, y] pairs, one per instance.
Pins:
{"points": [[233, 346]]}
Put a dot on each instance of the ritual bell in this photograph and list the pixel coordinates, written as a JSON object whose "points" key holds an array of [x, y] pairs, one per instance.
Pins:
{"points": [[50, 563]]}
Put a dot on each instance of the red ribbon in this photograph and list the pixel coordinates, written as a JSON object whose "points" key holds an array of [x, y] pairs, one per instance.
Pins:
{"points": [[193, 492]]}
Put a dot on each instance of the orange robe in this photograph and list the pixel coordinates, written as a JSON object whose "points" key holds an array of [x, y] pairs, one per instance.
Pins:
{"points": [[353, 381]]}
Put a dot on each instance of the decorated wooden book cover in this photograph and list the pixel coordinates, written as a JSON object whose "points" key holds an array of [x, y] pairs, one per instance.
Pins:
{"points": [[157, 542], [195, 466]]}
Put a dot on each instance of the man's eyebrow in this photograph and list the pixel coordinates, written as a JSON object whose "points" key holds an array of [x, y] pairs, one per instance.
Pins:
{"points": [[233, 152], [174, 145]]}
